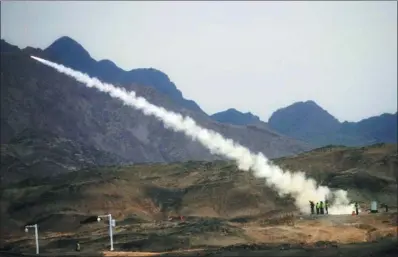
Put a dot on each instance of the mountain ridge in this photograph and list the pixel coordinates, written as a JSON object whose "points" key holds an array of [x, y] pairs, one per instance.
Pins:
{"points": [[77, 48], [37, 97], [327, 130], [235, 117], [60, 51], [219, 114], [309, 122]]}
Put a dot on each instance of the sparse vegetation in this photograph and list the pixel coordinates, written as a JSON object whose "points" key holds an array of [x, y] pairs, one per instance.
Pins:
{"points": [[222, 205]]}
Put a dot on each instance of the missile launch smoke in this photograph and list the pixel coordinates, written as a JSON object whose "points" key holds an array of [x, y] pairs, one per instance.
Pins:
{"points": [[301, 188]]}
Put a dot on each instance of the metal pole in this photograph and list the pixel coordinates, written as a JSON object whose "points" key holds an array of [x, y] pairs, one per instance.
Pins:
{"points": [[36, 235], [110, 230], [110, 227], [37, 238]]}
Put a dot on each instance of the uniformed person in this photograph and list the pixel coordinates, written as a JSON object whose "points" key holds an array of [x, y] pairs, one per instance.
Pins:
{"points": [[356, 208], [312, 205], [385, 206], [317, 208], [327, 206], [321, 208]]}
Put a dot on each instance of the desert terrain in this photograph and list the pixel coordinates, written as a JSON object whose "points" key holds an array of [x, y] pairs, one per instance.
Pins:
{"points": [[311, 88], [227, 212]]}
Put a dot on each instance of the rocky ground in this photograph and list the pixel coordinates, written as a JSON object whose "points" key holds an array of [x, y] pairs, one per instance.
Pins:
{"points": [[280, 235], [227, 211]]}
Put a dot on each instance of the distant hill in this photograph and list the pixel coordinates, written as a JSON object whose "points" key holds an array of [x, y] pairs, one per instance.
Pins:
{"points": [[37, 97], [379, 129], [70, 53], [235, 117], [309, 122]]}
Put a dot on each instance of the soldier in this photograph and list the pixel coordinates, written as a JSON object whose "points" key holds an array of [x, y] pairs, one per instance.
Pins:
{"points": [[385, 206], [312, 205], [321, 208], [317, 207], [356, 208], [327, 206]]}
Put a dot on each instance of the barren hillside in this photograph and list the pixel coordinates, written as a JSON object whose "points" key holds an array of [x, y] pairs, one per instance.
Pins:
{"points": [[216, 189], [37, 97]]}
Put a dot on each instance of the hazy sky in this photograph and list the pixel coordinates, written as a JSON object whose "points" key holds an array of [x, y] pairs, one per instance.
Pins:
{"points": [[253, 56]]}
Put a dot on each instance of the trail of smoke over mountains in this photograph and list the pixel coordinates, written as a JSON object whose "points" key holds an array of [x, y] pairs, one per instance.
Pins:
{"points": [[296, 184]]}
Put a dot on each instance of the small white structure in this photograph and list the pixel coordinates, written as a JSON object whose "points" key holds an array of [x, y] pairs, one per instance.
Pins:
{"points": [[112, 223], [36, 227], [373, 207]]}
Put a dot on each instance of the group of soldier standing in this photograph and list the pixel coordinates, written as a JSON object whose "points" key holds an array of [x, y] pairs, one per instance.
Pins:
{"points": [[319, 207]]}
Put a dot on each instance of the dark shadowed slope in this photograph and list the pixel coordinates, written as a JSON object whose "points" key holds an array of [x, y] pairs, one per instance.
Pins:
{"points": [[37, 97], [35, 154]]}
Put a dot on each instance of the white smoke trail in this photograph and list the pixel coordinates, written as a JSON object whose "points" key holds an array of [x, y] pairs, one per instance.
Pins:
{"points": [[296, 184]]}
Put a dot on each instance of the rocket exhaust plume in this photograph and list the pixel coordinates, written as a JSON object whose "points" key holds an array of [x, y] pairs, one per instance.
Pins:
{"points": [[301, 188]]}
